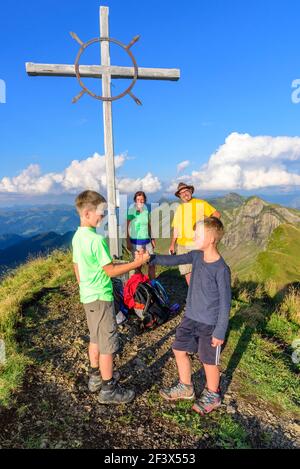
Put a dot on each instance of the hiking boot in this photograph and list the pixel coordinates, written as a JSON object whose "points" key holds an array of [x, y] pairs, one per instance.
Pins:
{"points": [[95, 380], [115, 394], [208, 401], [179, 391]]}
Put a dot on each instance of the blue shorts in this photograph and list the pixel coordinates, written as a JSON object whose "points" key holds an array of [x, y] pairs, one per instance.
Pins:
{"points": [[193, 336]]}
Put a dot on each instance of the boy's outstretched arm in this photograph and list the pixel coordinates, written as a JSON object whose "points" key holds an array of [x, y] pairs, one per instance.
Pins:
{"points": [[114, 270], [171, 260]]}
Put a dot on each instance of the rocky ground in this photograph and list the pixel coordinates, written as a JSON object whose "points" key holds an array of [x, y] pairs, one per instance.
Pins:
{"points": [[55, 410]]}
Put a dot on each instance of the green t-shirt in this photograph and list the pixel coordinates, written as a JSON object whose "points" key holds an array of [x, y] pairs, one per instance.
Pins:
{"points": [[91, 253], [139, 223]]}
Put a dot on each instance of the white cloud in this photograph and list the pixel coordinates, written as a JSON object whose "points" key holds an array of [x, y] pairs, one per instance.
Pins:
{"points": [[246, 163], [31, 181], [148, 183], [79, 175], [243, 162], [89, 173], [181, 166]]}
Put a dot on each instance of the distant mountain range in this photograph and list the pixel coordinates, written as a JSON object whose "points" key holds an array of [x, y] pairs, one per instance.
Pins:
{"points": [[26, 232], [262, 240], [31, 231], [8, 240], [19, 251], [27, 222]]}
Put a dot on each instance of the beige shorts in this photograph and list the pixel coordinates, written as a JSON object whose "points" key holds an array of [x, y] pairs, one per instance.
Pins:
{"points": [[102, 324], [186, 268]]}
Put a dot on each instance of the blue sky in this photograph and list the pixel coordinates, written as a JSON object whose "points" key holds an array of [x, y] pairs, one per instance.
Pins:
{"points": [[238, 60]]}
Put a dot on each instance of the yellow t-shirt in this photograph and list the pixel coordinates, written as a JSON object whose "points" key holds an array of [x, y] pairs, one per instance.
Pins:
{"points": [[186, 216]]}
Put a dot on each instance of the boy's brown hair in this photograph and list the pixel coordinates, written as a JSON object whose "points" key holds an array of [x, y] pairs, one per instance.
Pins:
{"points": [[214, 224], [88, 199]]}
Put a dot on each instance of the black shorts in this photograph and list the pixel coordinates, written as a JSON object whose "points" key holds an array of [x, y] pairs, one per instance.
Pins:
{"points": [[193, 336]]}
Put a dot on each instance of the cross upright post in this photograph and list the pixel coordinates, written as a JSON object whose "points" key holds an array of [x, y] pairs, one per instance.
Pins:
{"points": [[108, 136]]}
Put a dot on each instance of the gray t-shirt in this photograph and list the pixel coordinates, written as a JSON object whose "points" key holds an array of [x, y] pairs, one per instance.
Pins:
{"points": [[209, 295]]}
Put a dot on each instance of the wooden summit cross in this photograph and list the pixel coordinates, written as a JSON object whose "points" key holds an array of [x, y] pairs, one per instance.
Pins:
{"points": [[106, 71]]}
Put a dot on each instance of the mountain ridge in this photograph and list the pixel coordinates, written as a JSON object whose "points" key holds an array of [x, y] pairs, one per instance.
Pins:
{"points": [[249, 226], [40, 244], [248, 243]]}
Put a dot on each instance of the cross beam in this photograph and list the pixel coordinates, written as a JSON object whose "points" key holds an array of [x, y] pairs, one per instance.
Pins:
{"points": [[97, 71]]}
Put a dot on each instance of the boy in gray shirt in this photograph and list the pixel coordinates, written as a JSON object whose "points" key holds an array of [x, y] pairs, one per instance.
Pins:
{"points": [[205, 322]]}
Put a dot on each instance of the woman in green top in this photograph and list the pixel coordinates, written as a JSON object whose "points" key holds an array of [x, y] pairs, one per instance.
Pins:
{"points": [[139, 229]]}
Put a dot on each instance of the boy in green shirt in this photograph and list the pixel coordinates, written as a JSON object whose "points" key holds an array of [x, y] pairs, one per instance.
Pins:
{"points": [[94, 268]]}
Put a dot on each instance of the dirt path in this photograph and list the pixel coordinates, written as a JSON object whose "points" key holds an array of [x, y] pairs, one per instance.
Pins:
{"points": [[55, 410]]}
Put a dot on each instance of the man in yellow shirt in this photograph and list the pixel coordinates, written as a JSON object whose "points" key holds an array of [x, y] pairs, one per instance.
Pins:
{"points": [[186, 216]]}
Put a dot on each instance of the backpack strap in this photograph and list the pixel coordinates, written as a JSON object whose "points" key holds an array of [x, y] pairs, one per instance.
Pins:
{"points": [[143, 288], [160, 292]]}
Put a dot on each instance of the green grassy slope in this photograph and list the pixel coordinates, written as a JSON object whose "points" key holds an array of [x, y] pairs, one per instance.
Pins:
{"points": [[241, 259], [281, 259], [255, 320], [16, 290], [256, 362]]}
